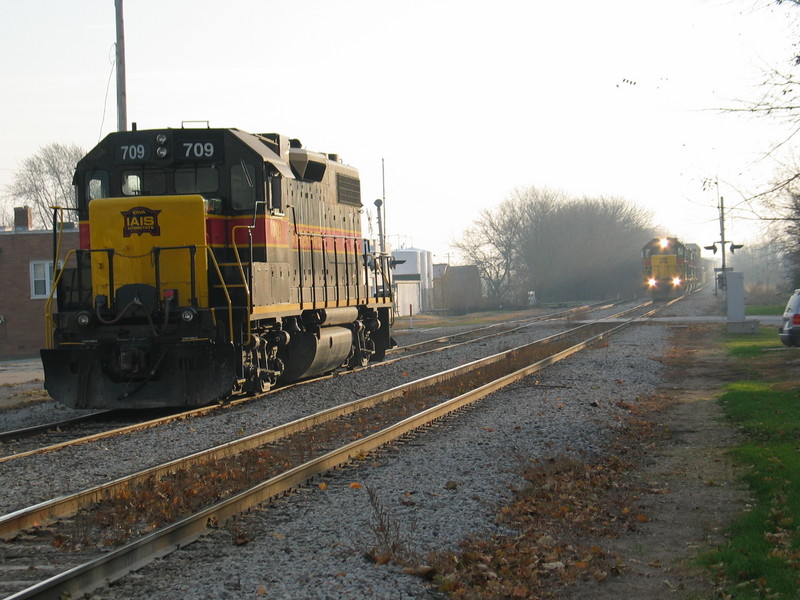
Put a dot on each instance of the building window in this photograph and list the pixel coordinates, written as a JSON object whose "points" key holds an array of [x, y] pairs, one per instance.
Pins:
{"points": [[41, 278]]}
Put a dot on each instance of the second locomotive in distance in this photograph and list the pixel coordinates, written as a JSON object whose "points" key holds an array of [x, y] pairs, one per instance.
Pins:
{"points": [[670, 267]]}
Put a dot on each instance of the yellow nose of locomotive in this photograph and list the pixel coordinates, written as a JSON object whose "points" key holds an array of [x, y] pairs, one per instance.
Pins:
{"points": [[152, 240]]}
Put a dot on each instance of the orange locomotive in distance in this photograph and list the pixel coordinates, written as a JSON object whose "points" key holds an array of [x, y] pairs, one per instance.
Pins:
{"points": [[670, 268], [212, 261]]}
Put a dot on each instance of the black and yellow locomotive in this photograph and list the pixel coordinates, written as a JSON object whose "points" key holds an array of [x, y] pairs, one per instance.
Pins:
{"points": [[670, 268], [211, 261]]}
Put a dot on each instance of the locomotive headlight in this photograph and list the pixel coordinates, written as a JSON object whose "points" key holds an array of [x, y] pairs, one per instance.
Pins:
{"points": [[161, 152], [188, 314], [83, 319], [651, 282], [161, 139], [676, 281]]}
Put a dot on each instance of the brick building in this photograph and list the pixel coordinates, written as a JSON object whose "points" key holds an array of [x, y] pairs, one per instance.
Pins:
{"points": [[26, 271]]}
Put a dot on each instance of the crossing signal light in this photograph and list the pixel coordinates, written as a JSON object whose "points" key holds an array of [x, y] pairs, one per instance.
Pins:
{"points": [[735, 247]]}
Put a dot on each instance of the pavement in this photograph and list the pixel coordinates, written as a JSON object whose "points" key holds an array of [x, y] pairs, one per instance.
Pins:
{"points": [[20, 371]]}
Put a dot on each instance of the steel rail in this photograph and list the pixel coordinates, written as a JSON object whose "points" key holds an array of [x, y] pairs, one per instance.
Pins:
{"points": [[117, 563], [526, 323], [105, 434], [24, 432]]}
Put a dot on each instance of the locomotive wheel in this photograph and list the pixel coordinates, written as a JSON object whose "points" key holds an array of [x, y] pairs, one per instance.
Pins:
{"points": [[263, 382], [258, 382]]}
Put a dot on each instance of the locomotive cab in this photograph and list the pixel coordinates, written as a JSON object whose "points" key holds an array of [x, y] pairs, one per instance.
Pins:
{"points": [[211, 261]]}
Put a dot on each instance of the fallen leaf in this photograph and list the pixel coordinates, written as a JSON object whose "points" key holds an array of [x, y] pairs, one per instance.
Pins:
{"points": [[424, 571], [355, 485], [520, 591]]}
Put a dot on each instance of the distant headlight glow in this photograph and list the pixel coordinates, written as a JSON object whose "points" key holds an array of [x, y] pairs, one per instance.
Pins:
{"points": [[676, 281], [651, 282]]}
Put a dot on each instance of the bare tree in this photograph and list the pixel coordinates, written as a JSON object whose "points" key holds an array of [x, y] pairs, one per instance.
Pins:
{"points": [[45, 180], [495, 243], [492, 244], [6, 218], [561, 248], [587, 248]]}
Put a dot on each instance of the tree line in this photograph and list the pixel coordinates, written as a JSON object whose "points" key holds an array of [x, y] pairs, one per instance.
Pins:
{"points": [[561, 248]]}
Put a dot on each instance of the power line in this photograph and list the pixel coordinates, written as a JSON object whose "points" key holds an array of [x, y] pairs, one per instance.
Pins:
{"points": [[113, 61]]}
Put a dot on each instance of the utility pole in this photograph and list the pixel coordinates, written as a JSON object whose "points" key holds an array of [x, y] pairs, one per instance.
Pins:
{"points": [[722, 280], [381, 242], [122, 102], [383, 202], [721, 203]]}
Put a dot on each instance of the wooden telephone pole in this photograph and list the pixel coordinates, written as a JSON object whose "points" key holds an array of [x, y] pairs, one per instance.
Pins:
{"points": [[122, 102]]}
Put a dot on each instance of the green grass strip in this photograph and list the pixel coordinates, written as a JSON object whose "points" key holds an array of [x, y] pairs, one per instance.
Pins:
{"points": [[762, 556]]}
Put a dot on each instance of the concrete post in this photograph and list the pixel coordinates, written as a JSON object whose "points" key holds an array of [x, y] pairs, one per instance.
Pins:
{"points": [[735, 305]]}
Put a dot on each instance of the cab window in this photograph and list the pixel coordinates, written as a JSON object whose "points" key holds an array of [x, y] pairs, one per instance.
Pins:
{"points": [[143, 182], [196, 180], [97, 185], [243, 186]]}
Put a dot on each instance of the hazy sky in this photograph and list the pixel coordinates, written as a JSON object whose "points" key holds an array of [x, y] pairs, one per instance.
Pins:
{"points": [[463, 100]]}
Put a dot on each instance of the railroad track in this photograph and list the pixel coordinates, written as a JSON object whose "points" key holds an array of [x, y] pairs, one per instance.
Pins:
{"points": [[496, 329], [301, 447], [77, 430], [84, 429]]}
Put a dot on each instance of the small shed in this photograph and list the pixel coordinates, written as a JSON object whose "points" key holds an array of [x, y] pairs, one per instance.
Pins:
{"points": [[457, 289]]}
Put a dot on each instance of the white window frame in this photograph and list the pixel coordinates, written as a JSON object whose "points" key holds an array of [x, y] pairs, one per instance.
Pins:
{"points": [[48, 280]]}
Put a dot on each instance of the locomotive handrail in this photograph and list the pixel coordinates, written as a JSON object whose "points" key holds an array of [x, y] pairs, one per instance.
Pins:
{"points": [[48, 305], [57, 237], [49, 324], [324, 236], [156, 252], [334, 238], [48, 310], [224, 286], [241, 274]]}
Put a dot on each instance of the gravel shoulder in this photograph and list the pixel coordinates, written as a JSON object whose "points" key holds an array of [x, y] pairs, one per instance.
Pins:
{"points": [[689, 489]]}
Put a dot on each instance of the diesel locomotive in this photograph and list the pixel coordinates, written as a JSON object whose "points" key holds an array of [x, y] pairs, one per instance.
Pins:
{"points": [[211, 261], [670, 268]]}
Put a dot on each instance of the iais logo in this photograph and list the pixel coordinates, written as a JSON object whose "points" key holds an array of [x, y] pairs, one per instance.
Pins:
{"points": [[140, 220]]}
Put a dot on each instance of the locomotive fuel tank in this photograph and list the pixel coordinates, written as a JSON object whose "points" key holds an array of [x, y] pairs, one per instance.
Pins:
{"points": [[308, 354]]}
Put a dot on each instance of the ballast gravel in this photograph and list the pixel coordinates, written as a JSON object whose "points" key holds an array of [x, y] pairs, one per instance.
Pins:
{"points": [[438, 487]]}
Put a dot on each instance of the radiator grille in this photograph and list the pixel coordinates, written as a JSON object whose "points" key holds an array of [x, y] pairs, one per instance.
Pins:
{"points": [[348, 190]]}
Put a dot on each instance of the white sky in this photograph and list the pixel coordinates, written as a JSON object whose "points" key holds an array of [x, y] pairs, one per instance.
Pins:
{"points": [[464, 100]]}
